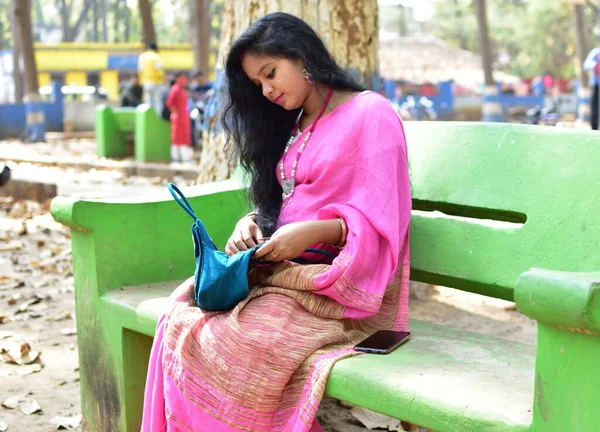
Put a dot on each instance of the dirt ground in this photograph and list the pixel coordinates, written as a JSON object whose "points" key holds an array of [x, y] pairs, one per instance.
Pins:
{"points": [[39, 366]]}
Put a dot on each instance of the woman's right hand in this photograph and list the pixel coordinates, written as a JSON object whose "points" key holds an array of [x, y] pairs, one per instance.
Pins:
{"points": [[246, 235]]}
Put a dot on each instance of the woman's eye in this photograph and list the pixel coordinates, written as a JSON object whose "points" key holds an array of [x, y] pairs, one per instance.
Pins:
{"points": [[272, 74]]}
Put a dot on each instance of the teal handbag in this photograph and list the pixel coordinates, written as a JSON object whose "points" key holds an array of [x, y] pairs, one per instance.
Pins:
{"points": [[220, 280]]}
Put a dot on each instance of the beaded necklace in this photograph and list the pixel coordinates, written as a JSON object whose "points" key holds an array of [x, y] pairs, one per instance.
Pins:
{"points": [[289, 184]]}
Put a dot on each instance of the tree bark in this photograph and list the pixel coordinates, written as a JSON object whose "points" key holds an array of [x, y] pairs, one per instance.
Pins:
{"points": [[16, 51], [23, 17], [148, 32], [349, 29], [104, 20], [582, 48], [64, 20], [484, 42], [39, 14], [127, 18], [117, 20], [94, 9], [200, 14]]}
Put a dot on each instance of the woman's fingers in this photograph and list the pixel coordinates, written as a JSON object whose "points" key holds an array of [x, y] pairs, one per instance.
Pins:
{"points": [[264, 251], [231, 247], [243, 239], [246, 235], [258, 235]]}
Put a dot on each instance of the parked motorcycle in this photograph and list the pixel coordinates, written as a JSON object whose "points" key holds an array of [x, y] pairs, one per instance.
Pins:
{"points": [[197, 118], [548, 115], [421, 109]]}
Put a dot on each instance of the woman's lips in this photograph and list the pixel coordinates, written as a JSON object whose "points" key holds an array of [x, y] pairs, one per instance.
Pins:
{"points": [[278, 98]]}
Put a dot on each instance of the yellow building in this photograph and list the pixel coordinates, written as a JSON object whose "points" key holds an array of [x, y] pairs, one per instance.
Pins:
{"points": [[105, 64]]}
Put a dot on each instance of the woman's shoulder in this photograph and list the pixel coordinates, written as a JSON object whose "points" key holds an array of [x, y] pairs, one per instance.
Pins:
{"points": [[370, 103]]}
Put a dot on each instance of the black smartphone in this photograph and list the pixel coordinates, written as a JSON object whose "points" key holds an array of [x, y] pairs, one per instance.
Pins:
{"points": [[383, 342]]}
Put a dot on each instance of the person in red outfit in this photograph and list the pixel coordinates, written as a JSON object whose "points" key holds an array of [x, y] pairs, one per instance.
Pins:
{"points": [[177, 102]]}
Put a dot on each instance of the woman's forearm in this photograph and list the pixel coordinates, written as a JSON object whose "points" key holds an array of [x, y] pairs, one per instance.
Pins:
{"points": [[324, 231]]}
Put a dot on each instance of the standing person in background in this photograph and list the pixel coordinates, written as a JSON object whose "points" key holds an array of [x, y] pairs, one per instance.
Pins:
{"points": [[592, 64], [152, 77], [181, 141]]}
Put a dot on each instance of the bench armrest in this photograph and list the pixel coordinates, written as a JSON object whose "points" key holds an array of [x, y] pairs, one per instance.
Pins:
{"points": [[560, 298], [132, 242]]}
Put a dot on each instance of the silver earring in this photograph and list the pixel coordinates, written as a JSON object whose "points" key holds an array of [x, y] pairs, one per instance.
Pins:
{"points": [[307, 77]]}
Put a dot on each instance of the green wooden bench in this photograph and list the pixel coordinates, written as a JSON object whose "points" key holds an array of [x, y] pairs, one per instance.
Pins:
{"points": [[151, 134], [508, 211]]}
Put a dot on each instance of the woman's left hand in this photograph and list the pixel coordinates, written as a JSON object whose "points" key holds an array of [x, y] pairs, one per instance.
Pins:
{"points": [[288, 242]]}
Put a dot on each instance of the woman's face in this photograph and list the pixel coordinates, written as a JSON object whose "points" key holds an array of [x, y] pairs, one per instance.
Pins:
{"points": [[281, 80]]}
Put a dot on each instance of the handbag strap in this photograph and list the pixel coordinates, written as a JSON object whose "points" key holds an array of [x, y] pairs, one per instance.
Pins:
{"points": [[182, 200], [185, 204], [322, 252]]}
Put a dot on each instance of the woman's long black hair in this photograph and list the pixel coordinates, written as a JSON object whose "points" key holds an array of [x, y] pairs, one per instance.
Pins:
{"points": [[257, 129]]}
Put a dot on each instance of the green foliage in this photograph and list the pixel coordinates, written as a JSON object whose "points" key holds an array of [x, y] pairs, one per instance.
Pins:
{"points": [[5, 35], [528, 37]]}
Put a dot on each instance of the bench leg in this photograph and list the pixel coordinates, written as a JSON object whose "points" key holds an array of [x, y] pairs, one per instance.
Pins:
{"points": [[136, 352], [567, 383], [113, 367]]}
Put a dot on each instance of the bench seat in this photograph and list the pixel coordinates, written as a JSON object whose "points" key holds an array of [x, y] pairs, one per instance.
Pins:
{"points": [[488, 378]]}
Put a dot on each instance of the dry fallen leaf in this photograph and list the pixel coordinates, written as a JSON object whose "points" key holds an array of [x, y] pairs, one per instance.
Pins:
{"points": [[29, 369], [29, 406], [14, 299], [19, 354], [67, 422], [12, 246], [61, 317], [12, 284], [12, 402], [25, 305]]}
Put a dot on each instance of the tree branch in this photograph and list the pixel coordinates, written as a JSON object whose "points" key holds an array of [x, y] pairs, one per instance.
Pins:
{"points": [[86, 7], [593, 6], [69, 8]]}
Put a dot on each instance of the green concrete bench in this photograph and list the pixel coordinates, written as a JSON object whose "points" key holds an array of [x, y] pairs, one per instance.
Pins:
{"points": [[151, 134], [508, 211]]}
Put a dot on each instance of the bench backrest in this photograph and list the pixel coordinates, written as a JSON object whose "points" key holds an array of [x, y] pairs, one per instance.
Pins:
{"points": [[510, 197]]}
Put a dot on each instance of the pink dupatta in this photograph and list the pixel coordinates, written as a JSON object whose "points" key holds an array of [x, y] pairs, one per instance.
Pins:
{"points": [[263, 366]]}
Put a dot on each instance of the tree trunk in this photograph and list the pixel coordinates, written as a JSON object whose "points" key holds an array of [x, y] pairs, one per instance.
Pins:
{"points": [[148, 32], [349, 29], [127, 17], [39, 15], [104, 21], [200, 15], [117, 20], [65, 14], [16, 52], [94, 10], [484, 42], [23, 17], [582, 48]]}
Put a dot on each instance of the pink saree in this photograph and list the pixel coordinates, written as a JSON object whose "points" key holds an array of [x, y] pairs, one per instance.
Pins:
{"points": [[263, 365]]}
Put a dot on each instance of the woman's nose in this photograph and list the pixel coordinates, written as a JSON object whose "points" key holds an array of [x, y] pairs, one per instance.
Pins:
{"points": [[267, 90]]}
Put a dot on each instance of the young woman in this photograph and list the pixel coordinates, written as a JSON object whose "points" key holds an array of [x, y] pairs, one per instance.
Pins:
{"points": [[329, 170], [177, 102]]}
